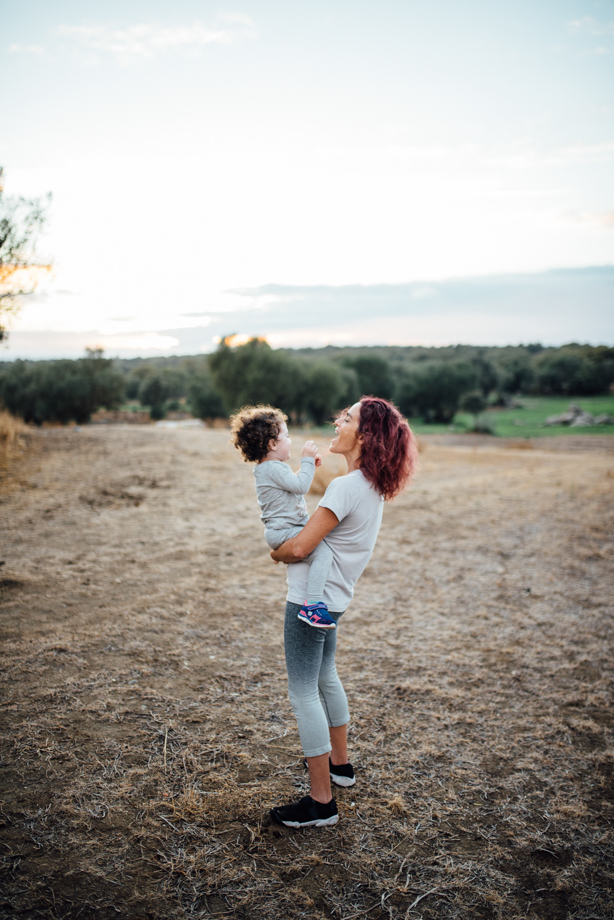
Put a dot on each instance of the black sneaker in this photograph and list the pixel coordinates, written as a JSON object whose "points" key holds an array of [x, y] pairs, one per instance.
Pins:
{"points": [[342, 775], [306, 813]]}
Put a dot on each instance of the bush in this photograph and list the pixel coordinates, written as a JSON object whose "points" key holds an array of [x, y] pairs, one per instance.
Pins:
{"points": [[374, 375], [473, 403], [326, 388], [61, 391], [484, 424], [517, 375], [153, 393], [203, 399], [435, 390], [11, 429], [486, 373], [254, 373], [569, 372]]}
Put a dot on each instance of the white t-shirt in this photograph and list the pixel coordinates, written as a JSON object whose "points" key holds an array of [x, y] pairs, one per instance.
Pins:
{"points": [[359, 507]]}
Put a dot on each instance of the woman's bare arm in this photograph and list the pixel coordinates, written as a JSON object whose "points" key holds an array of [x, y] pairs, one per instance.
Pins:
{"points": [[317, 527]]}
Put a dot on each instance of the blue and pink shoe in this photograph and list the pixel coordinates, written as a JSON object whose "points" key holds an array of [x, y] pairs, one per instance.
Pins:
{"points": [[317, 615]]}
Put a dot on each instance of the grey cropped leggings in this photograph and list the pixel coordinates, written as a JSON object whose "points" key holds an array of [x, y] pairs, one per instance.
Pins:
{"points": [[316, 693]]}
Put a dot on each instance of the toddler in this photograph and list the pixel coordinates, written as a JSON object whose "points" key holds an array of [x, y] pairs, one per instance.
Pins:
{"points": [[261, 434]]}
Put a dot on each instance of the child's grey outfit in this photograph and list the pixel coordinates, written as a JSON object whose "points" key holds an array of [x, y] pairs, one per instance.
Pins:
{"points": [[284, 514]]}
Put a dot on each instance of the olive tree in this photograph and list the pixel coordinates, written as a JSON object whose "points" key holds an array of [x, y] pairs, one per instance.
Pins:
{"points": [[20, 222]]}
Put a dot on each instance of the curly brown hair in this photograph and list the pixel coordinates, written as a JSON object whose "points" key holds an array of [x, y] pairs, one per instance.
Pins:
{"points": [[389, 451], [253, 428]]}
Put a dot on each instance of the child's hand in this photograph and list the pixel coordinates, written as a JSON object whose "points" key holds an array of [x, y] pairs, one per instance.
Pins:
{"points": [[318, 460], [310, 449]]}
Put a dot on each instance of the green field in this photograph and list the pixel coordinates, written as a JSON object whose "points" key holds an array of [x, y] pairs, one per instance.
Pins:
{"points": [[528, 421]]}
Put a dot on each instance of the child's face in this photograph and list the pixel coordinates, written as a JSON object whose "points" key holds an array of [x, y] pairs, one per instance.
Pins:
{"points": [[280, 449]]}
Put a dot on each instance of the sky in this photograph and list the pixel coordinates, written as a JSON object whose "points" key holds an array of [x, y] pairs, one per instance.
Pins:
{"points": [[318, 172]]}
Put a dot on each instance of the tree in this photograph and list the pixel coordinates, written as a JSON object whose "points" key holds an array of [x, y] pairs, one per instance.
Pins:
{"points": [[569, 372], [517, 375], [61, 391], [20, 222], [153, 392], [435, 390], [473, 402], [487, 374], [374, 375], [254, 373], [326, 387], [205, 402], [352, 390]]}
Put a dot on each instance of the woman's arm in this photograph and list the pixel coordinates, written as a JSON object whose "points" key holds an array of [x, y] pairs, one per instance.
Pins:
{"points": [[317, 527]]}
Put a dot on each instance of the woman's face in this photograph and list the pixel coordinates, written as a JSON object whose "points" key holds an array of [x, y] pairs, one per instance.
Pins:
{"points": [[346, 430]]}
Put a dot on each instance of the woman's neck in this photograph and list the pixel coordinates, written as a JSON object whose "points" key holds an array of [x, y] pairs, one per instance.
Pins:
{"points": [[353, 461]]}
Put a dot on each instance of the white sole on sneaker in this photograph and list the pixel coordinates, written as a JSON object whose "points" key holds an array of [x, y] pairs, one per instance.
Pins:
{"points": [[343, 780], [316, 625], [321, 822]]}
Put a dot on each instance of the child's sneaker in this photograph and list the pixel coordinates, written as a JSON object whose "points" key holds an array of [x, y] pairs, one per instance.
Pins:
{"points": [[317, 615]]}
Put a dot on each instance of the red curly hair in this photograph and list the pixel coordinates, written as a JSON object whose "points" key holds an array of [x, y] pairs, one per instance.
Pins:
{"points": [[389, 452]]}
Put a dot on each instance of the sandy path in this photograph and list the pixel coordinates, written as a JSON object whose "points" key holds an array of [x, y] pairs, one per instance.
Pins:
{"points": [[147, 729]]}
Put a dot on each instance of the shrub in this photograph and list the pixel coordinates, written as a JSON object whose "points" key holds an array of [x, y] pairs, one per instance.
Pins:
{"points": [[517, 375], [484, 424], [435, 390], [374, 375], [253, 373], [11, 429], [153, 393], [326, 388], [575, 371], [203, 399], [61, 391]]}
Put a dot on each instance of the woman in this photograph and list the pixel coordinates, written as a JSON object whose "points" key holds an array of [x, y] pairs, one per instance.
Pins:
{"points": [[380, 452]]}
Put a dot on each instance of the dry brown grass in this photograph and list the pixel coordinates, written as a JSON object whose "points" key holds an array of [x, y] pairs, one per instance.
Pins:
{"points": [[332, 467], [12, 431], [146, 730]]}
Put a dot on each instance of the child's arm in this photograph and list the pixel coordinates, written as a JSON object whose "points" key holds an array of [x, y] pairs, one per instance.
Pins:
{"points": [[297, 483]]}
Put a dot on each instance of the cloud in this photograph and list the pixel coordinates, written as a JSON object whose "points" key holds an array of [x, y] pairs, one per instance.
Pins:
{"points": [[595, 29], [573, 155], [553, 307], [143, 41], [26, 49], [521, 155], [51, 344], [590, 26], [603, 219]]}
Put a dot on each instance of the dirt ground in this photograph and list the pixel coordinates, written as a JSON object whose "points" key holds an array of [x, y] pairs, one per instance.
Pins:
{"points": [[146, 730]]}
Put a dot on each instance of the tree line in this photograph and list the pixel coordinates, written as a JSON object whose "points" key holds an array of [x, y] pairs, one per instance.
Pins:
{"points": [[308, 384]]}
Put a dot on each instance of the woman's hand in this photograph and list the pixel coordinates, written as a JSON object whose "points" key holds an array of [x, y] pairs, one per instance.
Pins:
{"points": [[310, 450], [317, 527]]}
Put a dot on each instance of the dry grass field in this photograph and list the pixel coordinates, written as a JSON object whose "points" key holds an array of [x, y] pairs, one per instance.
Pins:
{"points": [[146, 730]]}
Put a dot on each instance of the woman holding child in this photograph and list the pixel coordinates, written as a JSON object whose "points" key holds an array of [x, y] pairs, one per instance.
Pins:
{"points": [[380, 452]]}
